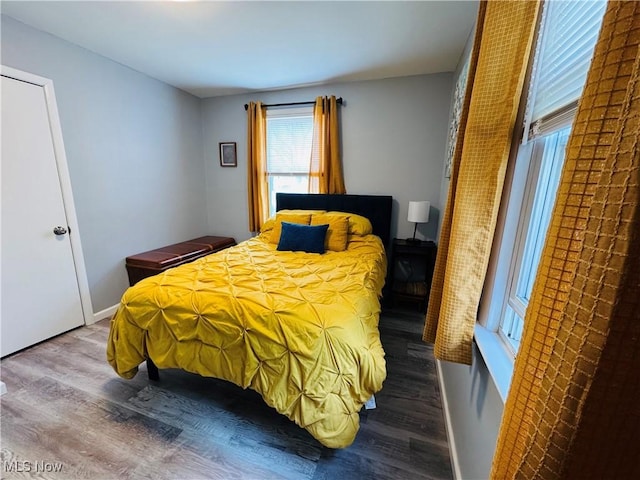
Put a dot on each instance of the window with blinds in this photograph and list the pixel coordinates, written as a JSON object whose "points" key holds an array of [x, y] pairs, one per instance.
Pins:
{"points": [[568, 34], [566, 39], [289, 136]]}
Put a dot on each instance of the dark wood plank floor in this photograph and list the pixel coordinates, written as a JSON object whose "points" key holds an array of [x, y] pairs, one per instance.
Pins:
{"points": [[67, 415]]}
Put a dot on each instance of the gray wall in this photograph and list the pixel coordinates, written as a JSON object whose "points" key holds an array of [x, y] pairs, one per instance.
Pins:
{"points": [[393, 142], [473, 404], [134, 149], [474, 410]]}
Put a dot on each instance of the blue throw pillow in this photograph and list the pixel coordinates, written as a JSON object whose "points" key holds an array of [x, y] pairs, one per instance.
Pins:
{"points": [[302, 238]]}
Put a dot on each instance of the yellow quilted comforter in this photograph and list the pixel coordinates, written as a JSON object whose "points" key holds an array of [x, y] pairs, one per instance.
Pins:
{"points": [[299, 328]]}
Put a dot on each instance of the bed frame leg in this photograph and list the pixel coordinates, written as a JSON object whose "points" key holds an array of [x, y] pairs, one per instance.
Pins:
{"points": [[152, 370]]}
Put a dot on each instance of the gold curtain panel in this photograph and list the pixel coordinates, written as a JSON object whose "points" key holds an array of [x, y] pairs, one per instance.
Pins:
{"points": [[257, 166], [325, 170], [573, 408], [504, 36]]}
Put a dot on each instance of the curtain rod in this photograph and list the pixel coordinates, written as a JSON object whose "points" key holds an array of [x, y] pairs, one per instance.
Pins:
{"points": [[246, 106]]}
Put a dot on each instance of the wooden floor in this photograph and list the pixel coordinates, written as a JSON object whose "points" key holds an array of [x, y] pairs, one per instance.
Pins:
{"points": [[67, 416]]}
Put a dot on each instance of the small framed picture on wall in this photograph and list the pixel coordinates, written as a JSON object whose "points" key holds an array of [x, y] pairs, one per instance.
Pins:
{"points": [[228, 154]]}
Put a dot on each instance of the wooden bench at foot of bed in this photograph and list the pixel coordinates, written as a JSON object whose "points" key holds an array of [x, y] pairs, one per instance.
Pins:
{"points": [[156, 261]]}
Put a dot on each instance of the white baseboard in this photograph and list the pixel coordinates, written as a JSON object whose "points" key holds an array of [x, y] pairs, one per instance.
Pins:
{"points": [[107, 312], [453, 452], [3, 388]]}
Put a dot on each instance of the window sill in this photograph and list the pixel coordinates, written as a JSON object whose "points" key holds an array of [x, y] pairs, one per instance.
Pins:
{"points": [[498, 360]]}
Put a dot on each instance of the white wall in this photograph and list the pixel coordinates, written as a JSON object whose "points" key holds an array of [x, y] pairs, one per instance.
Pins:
{"points": [[471, 400], [134, 149], [393, 142]]}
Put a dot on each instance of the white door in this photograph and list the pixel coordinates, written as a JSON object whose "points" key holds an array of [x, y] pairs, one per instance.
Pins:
{"points": [[40, 291]]}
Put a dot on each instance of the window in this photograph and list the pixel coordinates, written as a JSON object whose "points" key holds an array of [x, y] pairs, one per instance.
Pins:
{"points": [[540, 192], [568, 34], [289, 136]]}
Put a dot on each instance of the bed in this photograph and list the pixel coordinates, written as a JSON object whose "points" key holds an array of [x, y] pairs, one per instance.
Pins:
{"points": [[299, 328]]}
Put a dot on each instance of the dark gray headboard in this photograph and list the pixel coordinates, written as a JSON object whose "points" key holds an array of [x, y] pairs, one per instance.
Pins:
{"points": [[377, 208]]}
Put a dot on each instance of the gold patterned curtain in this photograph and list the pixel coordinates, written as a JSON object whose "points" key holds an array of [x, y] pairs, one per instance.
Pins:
{"points": [[573, 410], [257, 165], [503, 40], [325, 172]]}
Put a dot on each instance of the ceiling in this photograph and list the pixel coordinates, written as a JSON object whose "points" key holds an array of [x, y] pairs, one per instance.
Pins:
{"points": [[219, 48]]}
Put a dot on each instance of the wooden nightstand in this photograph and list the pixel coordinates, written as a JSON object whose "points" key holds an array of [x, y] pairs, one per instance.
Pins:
{"points": [[156, 261], [410, 271]]}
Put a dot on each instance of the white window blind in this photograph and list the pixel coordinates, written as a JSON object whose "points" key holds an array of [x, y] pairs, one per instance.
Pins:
{"points": [[289, 143], [568, 36]]}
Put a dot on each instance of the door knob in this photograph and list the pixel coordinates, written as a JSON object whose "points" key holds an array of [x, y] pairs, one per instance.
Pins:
{"points": [[59, 230]]}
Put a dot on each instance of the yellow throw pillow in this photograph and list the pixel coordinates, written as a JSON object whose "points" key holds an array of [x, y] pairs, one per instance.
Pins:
{"points": [[358, 225], [338, 233], [268, 224], [302, 219]]}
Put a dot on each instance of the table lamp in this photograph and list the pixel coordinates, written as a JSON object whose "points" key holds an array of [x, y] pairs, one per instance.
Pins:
{"points": [[418, 213]]}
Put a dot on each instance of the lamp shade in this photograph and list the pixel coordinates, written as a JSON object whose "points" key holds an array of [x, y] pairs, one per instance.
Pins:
{"points": [[418, 212]]}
